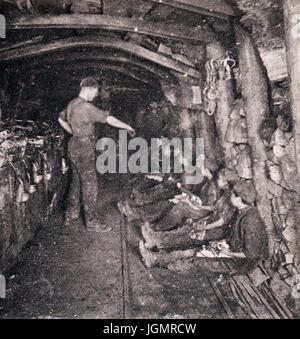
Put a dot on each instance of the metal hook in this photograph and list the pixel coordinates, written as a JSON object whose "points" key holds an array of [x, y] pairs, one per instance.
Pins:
{"points": [[229, 59], [14, 169], [26, 172]]}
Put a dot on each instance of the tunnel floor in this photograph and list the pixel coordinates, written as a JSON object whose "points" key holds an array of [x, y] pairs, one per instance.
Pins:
{"points": [[74, 274]]}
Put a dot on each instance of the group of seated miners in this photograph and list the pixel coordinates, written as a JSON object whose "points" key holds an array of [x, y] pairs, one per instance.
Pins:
{"points": [[222, 208]]}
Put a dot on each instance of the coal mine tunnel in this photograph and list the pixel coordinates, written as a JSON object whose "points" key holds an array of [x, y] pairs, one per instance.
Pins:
{"points": [[77, 243], [52, 80]]}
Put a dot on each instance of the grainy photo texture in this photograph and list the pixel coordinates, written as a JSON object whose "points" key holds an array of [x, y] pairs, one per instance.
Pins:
{"points": [[149, 160]]}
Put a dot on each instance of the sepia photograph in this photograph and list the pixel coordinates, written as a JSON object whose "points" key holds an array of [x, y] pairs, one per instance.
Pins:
{"points": [[149, 162]]}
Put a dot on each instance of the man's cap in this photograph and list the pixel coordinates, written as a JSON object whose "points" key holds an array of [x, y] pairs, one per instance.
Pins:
{"points": [[89, 82], [246, 191]]}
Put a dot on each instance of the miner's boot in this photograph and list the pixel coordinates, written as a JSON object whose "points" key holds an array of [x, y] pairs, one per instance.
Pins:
{"points": [[72, 222]]}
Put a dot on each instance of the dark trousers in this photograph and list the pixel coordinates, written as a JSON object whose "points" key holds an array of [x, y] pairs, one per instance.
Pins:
{"points": [[180, 238], [84, 185]]}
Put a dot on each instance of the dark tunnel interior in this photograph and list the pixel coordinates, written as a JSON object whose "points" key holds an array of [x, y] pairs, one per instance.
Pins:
{"points": [[200, 90], [44, 85]]}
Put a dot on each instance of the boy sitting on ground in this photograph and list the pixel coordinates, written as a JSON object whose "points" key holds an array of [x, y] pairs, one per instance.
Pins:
{"points": [[216, 221], [248, 238]]}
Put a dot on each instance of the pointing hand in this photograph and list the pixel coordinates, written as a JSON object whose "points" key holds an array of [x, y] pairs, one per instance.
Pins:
{"points": [[131, 132]]}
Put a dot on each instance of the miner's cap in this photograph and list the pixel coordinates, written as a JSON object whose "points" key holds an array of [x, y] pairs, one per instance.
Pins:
{"points": [[89, 82], [246, 191]]}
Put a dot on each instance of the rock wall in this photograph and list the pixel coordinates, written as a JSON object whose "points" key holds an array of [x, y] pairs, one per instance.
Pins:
{"points": [[260, 138], [254, 130], [20, 219]]}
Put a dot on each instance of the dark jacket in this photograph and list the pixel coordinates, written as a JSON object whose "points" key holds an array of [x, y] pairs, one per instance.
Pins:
{"points": [[249, 234]]}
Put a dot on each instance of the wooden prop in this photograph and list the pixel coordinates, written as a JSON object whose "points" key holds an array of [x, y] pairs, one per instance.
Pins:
{"points": [[292, 32], [255, 91]]}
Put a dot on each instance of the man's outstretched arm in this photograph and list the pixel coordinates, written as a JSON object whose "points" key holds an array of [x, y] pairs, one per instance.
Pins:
{"points": [[65, 125], [119, 124]]}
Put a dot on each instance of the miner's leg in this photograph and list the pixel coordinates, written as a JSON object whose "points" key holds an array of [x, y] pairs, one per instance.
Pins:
{"points": [[163, 258], [179, 238], [214, 234], [73, 210], [149, 213], [176, 216], [89, 185]]}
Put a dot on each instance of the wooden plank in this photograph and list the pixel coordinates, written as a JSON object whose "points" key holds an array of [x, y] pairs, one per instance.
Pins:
{"points": [[237, 290], [282, 309], [63, 44], [240, 299], [246, 298], [254, 306], [216, 8], [265, 290], [261, 297], [10, 2], [221, 299], [105, 22], [33, 41], [262, 308], [275, 63]]}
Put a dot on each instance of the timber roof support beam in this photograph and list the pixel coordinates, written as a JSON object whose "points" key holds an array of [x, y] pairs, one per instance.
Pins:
{"points": [[58, 69], [126, 63], [128, 47], [120, 24]]}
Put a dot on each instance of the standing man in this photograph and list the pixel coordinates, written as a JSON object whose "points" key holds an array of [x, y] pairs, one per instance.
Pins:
{"points": [[79, 119]]}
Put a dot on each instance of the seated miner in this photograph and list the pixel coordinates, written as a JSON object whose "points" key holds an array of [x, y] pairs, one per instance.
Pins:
{"points": [[215, 226], [247, 239], [153, 188], [149, 201], [216, 222], [248, 236], [190, 204], [79, 119]]}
